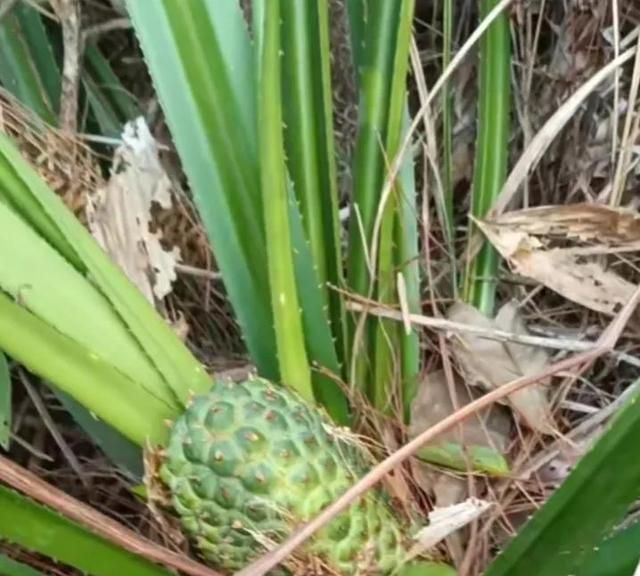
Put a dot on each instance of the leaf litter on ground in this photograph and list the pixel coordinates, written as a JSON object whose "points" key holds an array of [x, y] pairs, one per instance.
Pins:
{"points": [[489, 364], [477, 444]]}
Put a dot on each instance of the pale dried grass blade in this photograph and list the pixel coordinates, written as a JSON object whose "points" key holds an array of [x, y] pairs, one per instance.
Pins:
{"points": [[445, 521], [582, 221], [528, 239]]}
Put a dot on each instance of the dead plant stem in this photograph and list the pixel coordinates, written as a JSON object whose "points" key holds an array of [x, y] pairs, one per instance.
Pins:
{"points": [[68, 12]]}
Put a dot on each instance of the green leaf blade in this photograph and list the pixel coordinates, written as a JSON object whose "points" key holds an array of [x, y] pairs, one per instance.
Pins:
{"points": [[369, 160], [300, 108], [199, 56], [377, 40], [408, 265], [389, 364], [292, 354], [317, 332], [154, 341], [94, 383], [5, 402], [41, 530], [618, 555], [18, 70], [50, 288], [492, 156], [41, 48], [9, 567]]}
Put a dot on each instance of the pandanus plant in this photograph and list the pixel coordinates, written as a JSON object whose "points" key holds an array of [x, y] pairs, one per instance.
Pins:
{"points": [[251, 117], [249, 107]]}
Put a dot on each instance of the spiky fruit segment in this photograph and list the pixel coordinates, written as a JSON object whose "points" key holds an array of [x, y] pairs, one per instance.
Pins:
{"points": [[249, 461]]}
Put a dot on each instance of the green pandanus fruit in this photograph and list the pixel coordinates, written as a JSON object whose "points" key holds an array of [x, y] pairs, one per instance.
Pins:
{"points": [[249, 461]]}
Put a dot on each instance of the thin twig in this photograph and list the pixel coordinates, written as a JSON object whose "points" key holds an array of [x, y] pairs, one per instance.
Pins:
{"points": [[104, 27], [605, 343], [490, 334], [29, 448], [101, 525], [583, 429], [47, 420], [201, 272]]}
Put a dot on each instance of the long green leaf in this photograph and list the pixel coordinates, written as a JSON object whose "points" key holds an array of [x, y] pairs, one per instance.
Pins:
{"points": [[426, 568], [93, 382], [388, 351], [356, 11], [492, 152], [317, 332], [375, 71], [302, 102], [308, 115], [562, 535], [618, 555], [9, 567], [292, 355], [200, 59], [332, 223], [38, 45], [311, 146], [407, 239], [309, 138], [42, 52], [18, 70], [107, 82], [110, 102], [118, 448], [58, 294], [204, 70], [446, 205], [5, 402], [41, 530]]}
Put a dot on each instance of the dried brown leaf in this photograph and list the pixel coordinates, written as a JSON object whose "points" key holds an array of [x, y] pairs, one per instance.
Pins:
{"points": [[489, 364], [119, 214], [527, 240], [603, 224]]}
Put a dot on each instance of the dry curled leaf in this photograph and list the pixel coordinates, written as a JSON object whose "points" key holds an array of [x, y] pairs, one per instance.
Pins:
{"points": [[534, 242], [119, 214], [603, 224], [490, 364]]}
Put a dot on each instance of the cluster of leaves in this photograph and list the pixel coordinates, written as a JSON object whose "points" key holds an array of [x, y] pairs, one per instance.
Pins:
{"points": [[269, 205]]}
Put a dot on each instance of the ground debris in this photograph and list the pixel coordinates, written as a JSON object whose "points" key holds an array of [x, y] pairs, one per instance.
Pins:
{"points": [[490, 364]]}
